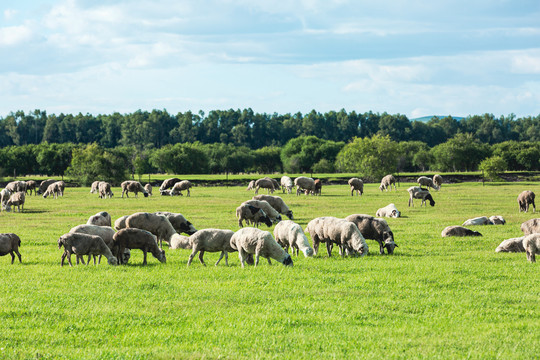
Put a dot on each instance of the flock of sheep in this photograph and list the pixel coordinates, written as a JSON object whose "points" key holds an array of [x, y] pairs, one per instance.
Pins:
{"points": [[148, 231]]}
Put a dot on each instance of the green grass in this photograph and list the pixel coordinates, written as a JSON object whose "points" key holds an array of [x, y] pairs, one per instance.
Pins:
{"points": [[450, 298]]}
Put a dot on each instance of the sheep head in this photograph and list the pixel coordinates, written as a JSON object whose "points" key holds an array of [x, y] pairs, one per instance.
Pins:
{"points": [[308, 252], [289, 214], [430, 198], [112, 260], [390, 245], [288, 261]]}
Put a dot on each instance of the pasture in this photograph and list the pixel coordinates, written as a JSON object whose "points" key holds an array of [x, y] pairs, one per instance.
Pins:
{"points": [[435, 298]]}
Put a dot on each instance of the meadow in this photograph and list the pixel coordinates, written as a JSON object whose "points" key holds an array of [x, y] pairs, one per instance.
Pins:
{"points": [[436, 298]]}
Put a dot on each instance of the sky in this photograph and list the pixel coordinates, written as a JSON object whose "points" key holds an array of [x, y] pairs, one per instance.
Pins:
{"points": [[417, 58]]}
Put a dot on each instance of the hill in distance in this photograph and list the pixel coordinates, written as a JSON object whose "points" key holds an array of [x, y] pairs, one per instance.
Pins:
{"points": [[427, 118]]}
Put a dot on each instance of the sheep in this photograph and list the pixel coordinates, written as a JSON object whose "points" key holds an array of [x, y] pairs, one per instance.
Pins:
{"points": [[482, 220], [252, 214], [44, 185], [94, 187], [332, 230], [180, 242], [15, 186], [289, 234], [101, 219], [9, 244], [31, 185], [286, 184], [179, 186], [4, 197], [277, 203], [318, 187], [266, 207], [211, 240], [179, 222], [531, 226], [55, 189], [525, 199], [437, 181], [105, 190], [531, 243], [84, 244], [165, 192], [457, 230], [120, 223], [389, 210], [427, 182], [104, 232], [261, 243], [416, 192], [158, 225], [387, 182], [375, 229], [133, 186], [137, 239], [168, 183], [265, 183], [251, 185], [305, 184], [356, 185], [497, 220], [148, 188], [511, 245], [17, 199]]}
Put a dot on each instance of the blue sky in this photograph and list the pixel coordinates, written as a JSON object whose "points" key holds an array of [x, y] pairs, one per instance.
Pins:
{"points": [[411, 57]]}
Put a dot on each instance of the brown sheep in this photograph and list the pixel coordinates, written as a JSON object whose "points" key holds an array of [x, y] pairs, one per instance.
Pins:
{"points": [[375, 229], [44, 185], [457, 230], [9, 244], [133, 186], [356, 185], [31, 185], [525, 199], [531, 243], [531, 226], [84, 244], [137, 239], [387, 182], [277, 203]]}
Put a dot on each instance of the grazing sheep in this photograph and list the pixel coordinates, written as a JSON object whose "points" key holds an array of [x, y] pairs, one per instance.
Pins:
{"points": [[331, 230], [290, 234], [94, 187], [148, 188], [168, 183], [180, 242], [261, 243], [437, 180], [525, 199], [387, 182], [252, 215], [17, 200], [133, 186], [427, 182], [101, 219], [389, 210], [44, 185], [84, 244], [137, 239], [15, 186], [286, 184], [318, 187], [165, 192], [265, 183], [104, 232], [356, 185], [9, 244], [375, 229], [497, 220], [4, 197], [31, 185], [179, 186], [266, 207], [531, 243], [457, 230], [251, 185], [482, 220], [416, 192], [305, 184], [120, 223], [277, 203], [158, 225], [531, 226], [511, 245], [179, 222], [211, 240], [54, 189], [105, 190]]}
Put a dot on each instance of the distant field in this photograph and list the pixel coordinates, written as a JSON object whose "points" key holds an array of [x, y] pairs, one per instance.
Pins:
{"points": [[435, 298]]}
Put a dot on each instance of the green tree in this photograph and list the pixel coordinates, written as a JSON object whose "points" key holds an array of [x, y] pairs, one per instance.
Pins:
{"points": [[492, 167], [91, 162], [461, 153], [302, 153]]}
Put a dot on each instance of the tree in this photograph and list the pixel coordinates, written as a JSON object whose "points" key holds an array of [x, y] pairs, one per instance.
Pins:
{"points": [[302, 153], [461, 153], [492, 166], [91, 162]]}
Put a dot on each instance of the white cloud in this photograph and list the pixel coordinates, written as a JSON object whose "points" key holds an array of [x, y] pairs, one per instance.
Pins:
{"points": [[15, 35], [10, 14]]}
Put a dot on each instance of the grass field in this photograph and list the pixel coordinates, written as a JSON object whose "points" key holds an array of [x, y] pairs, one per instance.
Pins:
{"points": [[450, 298]]}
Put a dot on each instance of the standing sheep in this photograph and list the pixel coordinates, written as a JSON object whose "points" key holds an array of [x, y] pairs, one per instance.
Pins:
{"points": [[5, 194], [261, 243], [211, 240], [133, 186], [387, 182], [531, 226], [265, 183], [31, 185], [101, 219], [375, 229], [437, 180], [356, 185], [168, 183], [158, 225], [9, 244], [389, 210], [511, 245], [120, 223], [277, 203], [416, 192], [251, 185], [44, 185], [290, 234], [104, 232], [305, 184], [17, 200], [252, 215], [179, 186], [179, 222], [84, 244], [286, 184], [318, 187], [331, 230], [266, 207], [137, 239], [94, 187], [148, 188], [105, 190], [457, 230], [15, 186], [525, 199], [531, 243], [54, 189], [427, 182]]}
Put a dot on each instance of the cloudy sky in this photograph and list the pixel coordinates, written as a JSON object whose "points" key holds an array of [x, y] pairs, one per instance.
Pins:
{"points": [[410, 57]]}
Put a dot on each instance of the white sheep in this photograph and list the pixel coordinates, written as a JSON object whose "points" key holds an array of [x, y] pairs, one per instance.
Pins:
{"points": [[305, 184], [376, 229], [331, 230], [179, 222], [481, 220], [531, 243], [511, 245], [265, 183], [56, 189], [356, 185], [4, 197], [148, 188], [526, 199], [531, 226], [9, 244], [277, 203], [289, 234], [211, 240], [84, 244], [456, 230], [137, 239], [266, 207], [252, 215], [251, 185], [17, 199], [286, 184], [94, 187], [15, 186], [133, 186], [104, 232], [179, 186], [168, 183], [105, 190], [120, 223], [416, 192], [101, 218], [425, 181], [31, 185], [261, 243], [387, 182], [158, 225], [180, 242], [44, 185], [497, 220], [389, 210], [437, 180]]}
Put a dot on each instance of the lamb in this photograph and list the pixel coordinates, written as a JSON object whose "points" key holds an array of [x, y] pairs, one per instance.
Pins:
{"points": [[180, 242], [482, 220], [427, 182], [289, 234], [31, 185], [137, 239], [101, 219], [54, 189], [120, 223], [4, 197], [531, 226], [211, 240], [44, 185], [305, 184], [387, 182], [286, 184], [375, 229], [457, 230], [251, 185], [525, 199], [265, 183], [253, 215], [104, 232], [277, 203], [511, 245], [531, 243], [158, 225], [332, 230], [84, 244], [437, 180], [133, 186], [266, 207], [15, 186], [168, 183], [105, 190], [17, 199], [261, 243], [179, 186], [389, 210], [356, 185], [497, 220], [9, 244], [416, 192], [179, 222], [148, 188], [318, 187]]}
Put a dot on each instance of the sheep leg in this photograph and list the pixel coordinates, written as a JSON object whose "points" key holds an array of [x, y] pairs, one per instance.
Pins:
{"points": [[269, 262], [12, 256], [381, 247], [223, 253], [144, 254], [192, 255], [188, 192], [69, 258], [201, 255], [329, 247], [256, 259], [241, 255]]}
